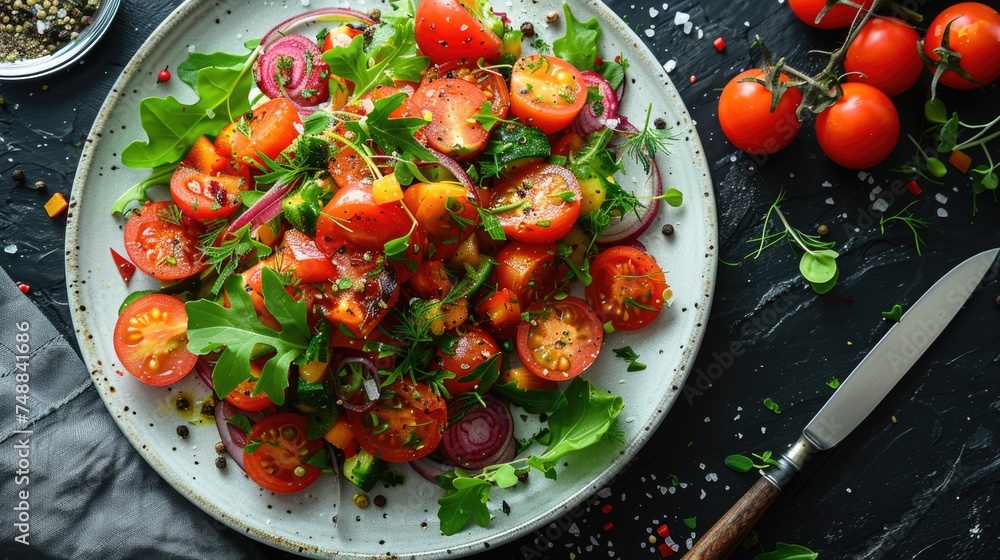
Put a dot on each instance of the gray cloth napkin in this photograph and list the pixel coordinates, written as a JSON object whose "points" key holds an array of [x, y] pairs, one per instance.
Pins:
{"points": [[68, 472]]}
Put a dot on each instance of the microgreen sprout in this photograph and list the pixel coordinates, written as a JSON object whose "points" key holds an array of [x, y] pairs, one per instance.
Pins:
{"points": [[911, 221]]}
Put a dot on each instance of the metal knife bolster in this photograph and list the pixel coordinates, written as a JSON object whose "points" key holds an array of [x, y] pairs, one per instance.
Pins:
{"points": [[790, 462]]}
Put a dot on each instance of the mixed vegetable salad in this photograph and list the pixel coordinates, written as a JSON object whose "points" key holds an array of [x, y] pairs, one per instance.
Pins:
{"points": [[371, 259]]}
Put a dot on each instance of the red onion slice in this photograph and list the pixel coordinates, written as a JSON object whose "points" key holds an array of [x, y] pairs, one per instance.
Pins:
{"points": [[293, 67], [632, 225], [264, 210], [232, 437], [355, 381], [588, 120], [483, 437], [339, 15], [429, 468]]}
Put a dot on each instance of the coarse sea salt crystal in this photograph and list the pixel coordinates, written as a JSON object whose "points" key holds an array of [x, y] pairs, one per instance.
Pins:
{"points": [[830, 201], [703, 494], [653, 12], [670, 65], [826, 184], [941, 198], [680, 18], [880, 205], [712, 477], [942, 213], [688, 27], [649, 33], [10, 249]]}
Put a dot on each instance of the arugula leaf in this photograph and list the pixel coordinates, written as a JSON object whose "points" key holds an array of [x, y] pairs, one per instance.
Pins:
{"points": [[464, 498], [534, 401], [589, 414], [187, 71], [394, 136], [614, 70], [241, 422], [579, 45], [172, 127], [788, 552], [237, 330]]}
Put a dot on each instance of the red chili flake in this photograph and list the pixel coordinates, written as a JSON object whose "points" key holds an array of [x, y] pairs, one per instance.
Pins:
{"points": [[694, 79], [618, 58], [914, 188], [608, 526], [606, 509], [663, 531], [666, 550], [23, 287], [125, 268], [848, 300], [598, 61], [720, 44]]}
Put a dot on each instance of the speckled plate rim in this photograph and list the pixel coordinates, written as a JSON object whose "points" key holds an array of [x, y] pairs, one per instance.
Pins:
{"points": [[703, 190], [68, 53]]}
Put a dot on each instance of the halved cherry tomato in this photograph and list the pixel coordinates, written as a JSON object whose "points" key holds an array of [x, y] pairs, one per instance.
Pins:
{"points": [[526, 380], [203, 196], [163, 242], [203, 157], [500, 313], [354, 216], [272, 128], [298, 253], [452, 103], [405, 424], [490, 82], [538, 204], [562, 339], [281, 462], [460, 352], [447, 30], [839, 16], [446, 212], [546, 92], [627, 287], [243, 398], [151, 340], [362, 292], [430, 281], [529, 270], [974, 36]]}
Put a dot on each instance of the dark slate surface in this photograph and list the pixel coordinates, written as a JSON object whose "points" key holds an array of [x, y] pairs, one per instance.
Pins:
{"points": [[916, 480]]}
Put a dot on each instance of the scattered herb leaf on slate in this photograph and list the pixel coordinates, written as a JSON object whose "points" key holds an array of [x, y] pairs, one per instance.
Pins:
{"points": [[894, 314], [771, 405]]}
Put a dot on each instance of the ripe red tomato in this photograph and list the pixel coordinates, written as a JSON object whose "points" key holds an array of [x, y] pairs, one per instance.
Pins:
{"points": [[500, 313], [462, 352], [838, 17], [151, 340], [884, 55], [361, 293], [353, 215], [528, 270], [242, 396], [163, 242], [298, 254], [542, 200], [524, 379], [490, 82], [975, 36], [405, 424], [203, 196], [746, 117], [430, 281], [452, 103], [281, 463], [861, 129], [627, 287], [446, 212], [339, 36], [546, 92], [562, 339], [271, 129], [446, 30]]}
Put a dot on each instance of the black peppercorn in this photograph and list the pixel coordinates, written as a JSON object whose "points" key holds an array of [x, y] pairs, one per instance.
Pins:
{"points": [[528, 29], [220, 462], [182, 404], [659, 123], [18, 176], [208, 409], [183, 431], [380, 500], [667, 229]]}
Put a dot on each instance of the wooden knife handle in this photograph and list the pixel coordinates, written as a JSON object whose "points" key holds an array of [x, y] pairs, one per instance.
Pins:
{"points": [[729, 531]]}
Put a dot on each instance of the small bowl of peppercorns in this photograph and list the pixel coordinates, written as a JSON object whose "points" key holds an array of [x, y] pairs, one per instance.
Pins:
{"points": [[38, 37]]}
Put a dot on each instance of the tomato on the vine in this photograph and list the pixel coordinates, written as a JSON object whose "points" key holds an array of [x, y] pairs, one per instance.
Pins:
{"points": [[838, 16], [561, 339], [406, 422], [627, 288], [151, 340], [884, 55], [163, 242], [861, 129], [974, 36], [281, 462], [447, 30], [747, 119], [546, 92], [539, 203]]}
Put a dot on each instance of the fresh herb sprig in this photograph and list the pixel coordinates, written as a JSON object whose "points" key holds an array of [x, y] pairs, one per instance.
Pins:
{"points": [[647, 142], [742, 463], [818, 264], [224, 251], [914, 223]]}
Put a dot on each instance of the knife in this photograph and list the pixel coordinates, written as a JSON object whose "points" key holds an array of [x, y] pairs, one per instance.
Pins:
{"points": [[851, 403]]}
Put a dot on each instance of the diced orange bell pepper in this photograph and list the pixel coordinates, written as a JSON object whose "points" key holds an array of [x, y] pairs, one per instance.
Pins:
{"points": [[56, 205], [960, 161]]}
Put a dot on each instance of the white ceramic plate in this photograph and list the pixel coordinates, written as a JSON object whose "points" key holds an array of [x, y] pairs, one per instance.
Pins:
{"points": [[407, 526]]}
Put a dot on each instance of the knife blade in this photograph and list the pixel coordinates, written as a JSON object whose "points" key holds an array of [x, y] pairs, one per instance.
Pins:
{"points": [[853, 401]]}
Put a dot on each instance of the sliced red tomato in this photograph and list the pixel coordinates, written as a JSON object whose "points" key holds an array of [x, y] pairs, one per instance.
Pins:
{"points": [[281, 462], [272, 128], [500, 313], [524, 379], [243, 396], [151, 340], [430, 281], [163, 242], [125, 268], [353, 216], [452, 104], [361, 293], [461, 352], [405, 424], [446, 212], [546, 92], [298, 253], [204, 157], [538, 204], [490, 82], [529, 270], [203, 196], [562, 339], [447, 30], [627, 287]]}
